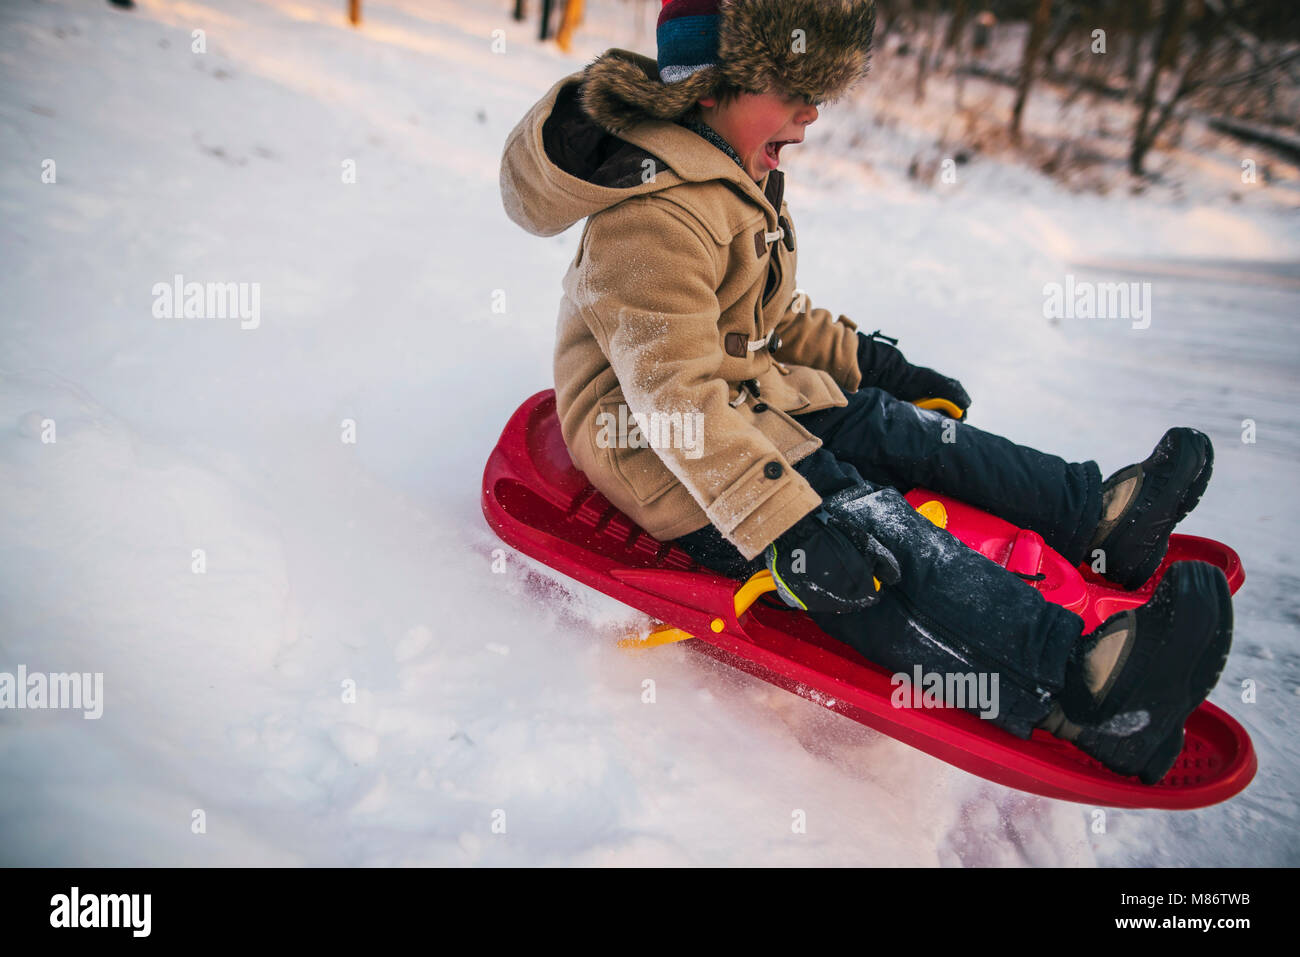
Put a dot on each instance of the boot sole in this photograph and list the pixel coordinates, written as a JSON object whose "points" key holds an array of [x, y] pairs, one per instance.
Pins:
{"points": [[1199, 596], [1154, 543]]}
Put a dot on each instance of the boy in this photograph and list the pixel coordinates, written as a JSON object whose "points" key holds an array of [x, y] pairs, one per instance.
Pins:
{"points": [[680, 306]]}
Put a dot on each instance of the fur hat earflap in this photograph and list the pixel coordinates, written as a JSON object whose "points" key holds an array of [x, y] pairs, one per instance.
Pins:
{"points": [[620, 88], [812, 48]]}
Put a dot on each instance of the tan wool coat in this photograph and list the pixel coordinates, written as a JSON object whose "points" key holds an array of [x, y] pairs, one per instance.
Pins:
{"points": [[671, 397]]}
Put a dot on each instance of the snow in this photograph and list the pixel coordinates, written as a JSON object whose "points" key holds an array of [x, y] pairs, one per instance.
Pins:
{"points": [[349, 681]]}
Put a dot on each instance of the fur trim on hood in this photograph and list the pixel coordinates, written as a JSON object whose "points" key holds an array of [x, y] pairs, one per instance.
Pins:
{"points": [[812, 48]]}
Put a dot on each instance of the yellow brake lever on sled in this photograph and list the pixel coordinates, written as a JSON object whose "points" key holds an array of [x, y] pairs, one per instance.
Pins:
{"points": [[950, 409], [760, 583]]}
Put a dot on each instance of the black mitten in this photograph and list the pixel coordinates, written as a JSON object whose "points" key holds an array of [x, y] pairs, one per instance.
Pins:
{"points": [[817, 567], [882, 365]]}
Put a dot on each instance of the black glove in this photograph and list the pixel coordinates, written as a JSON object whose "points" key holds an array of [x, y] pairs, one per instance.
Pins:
{"points": [[823, 563], [884, 367]]}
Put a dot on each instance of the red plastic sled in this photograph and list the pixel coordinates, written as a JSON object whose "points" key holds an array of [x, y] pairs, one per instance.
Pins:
{"points": [[536, 500]]}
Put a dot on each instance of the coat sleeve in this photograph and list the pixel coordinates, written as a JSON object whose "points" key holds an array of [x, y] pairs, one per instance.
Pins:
{"points": [[650, 293], [813, 337]]}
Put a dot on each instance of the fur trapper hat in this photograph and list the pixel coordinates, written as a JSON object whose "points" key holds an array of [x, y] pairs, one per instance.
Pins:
{"points": [[812, 48]]}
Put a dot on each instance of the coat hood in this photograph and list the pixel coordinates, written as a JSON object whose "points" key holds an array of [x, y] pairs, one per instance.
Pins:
{"points": [[560, 166]]}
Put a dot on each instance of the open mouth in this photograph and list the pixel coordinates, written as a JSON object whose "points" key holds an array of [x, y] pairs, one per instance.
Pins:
{"points": [[772, 150]]}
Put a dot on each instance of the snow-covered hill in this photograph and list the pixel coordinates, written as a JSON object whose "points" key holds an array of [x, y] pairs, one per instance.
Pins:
{"points": [[332, 565]]}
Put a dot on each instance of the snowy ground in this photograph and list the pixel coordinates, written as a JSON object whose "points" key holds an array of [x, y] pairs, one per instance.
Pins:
{"points": [[329, 562]]}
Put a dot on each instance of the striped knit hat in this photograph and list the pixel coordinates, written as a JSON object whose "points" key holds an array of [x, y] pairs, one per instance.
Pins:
{"points": [[687, 37]]}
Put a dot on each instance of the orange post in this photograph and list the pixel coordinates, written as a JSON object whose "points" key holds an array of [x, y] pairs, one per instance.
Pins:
{"points": [[572, 17]]}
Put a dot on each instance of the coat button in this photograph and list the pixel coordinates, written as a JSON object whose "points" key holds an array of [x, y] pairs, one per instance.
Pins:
{"points": [[788, 238], [761, 407], [773, 470], [774, 343]]}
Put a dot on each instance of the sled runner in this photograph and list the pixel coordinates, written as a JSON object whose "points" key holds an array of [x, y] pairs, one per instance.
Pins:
{"points": [[536, 501]]}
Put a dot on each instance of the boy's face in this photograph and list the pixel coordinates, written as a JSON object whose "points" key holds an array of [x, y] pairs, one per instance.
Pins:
{"points": [[757, 125]]}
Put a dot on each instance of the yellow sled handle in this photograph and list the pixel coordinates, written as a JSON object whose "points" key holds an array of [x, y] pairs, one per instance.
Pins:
{"points": [[758, 584], [951, 409]]}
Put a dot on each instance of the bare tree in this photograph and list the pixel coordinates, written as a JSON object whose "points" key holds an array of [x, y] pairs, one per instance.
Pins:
{"points": [[924, 45], [1169, 33], [952, 39], [1139, 20], [1037, 30]]}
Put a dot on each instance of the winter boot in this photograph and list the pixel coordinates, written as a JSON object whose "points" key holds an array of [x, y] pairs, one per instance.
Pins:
{"points": [[1141, 505], [1131, 684]]}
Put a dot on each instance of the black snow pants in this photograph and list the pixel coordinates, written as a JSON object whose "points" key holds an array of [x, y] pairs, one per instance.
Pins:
{"points": [[954, 612]]}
